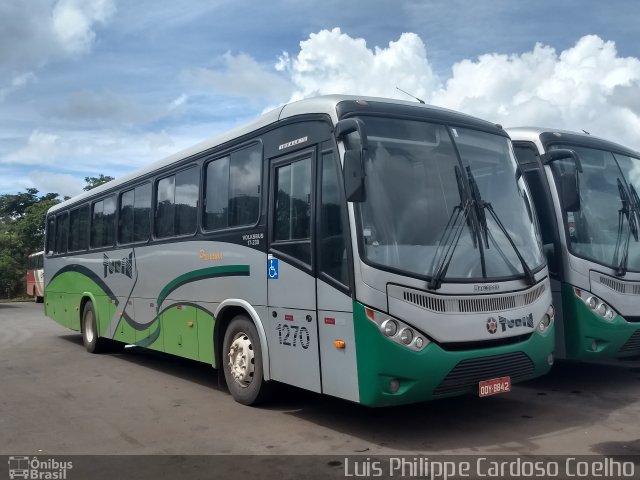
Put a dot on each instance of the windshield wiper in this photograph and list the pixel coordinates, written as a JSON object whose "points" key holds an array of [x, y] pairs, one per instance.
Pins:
{"points": [[451, 235], [630, 209], [481, 206]]}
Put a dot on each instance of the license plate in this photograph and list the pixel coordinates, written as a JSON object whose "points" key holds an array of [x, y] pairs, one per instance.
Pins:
{"points": [[494, 386]]}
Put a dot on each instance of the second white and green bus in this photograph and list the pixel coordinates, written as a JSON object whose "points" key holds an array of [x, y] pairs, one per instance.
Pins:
{"points": [[375, 250], [585, 192]]}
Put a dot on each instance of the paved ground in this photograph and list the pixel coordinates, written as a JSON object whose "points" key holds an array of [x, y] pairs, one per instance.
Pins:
{"points": [[55, 398]]}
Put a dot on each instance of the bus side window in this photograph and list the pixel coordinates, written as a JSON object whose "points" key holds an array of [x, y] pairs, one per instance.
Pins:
{"points": [[51, 225], [79, 229], [333, 248], [177, 203], [62, 232]]}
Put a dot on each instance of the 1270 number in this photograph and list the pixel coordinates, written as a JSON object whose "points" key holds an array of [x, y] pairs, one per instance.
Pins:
{"points": [[293, 335]]}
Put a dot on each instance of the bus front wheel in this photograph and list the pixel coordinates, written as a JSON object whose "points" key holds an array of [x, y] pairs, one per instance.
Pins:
{"points": [[92, 342], [242, 362]]}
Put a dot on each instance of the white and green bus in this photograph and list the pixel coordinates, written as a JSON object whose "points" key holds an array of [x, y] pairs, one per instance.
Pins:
{"points": [[585, 192], [379, 251]]}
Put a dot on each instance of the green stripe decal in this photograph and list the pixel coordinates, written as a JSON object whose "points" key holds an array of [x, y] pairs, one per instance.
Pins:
{"points": [[203, 273]]}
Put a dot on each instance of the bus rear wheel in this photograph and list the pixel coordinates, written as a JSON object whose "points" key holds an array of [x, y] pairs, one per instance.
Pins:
{"points": [[242, 363], [92, 342]]}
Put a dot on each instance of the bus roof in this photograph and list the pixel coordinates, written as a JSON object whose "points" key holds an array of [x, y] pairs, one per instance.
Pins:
{"points": [[36, 253], [548, 136], [326, 104]]}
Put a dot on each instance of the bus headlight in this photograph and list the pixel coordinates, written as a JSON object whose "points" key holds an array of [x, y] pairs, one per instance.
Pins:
{"points": [[390, 328], [397, 331], [406, 336], [596, 305], [547, 318]]}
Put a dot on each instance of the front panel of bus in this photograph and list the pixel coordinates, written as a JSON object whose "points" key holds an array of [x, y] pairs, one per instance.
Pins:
{"points": [[595, 250], [450, 279]]}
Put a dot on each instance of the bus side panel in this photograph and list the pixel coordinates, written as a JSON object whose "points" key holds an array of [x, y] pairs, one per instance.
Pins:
{"points": [[180, 331], [206, 323], [335, 322], [63, 296]]}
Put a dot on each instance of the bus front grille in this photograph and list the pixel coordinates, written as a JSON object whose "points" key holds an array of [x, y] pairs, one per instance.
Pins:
{"points": [[626, 288], [487, 303], [468, 373], [633, 344]]}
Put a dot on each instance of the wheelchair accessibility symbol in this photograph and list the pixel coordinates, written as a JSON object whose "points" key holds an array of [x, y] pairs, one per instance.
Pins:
{"points": [[272, 268]]}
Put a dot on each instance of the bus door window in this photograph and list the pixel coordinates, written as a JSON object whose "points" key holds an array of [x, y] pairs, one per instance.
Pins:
{"points": [[292, 216], [333, 248]]}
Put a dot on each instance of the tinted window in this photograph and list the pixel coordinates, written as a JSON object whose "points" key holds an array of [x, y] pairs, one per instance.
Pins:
{"points": [[525, 154], [135, 206], [292, 223], [79, 229], [51, 224], [333, 250], [233, 189], [177, 204], [187, 201], [62, 228], [142, 213], [165, 211], [125, 229], [40, 261], [103, 223]]}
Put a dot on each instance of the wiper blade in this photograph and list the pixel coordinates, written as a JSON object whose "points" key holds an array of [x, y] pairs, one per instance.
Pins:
{"points": [[481, 206], [451, 235], [629, 209]]}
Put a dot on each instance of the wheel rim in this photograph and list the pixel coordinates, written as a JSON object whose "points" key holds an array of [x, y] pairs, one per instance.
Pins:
{"points": [[88, 326], [241, 360]]}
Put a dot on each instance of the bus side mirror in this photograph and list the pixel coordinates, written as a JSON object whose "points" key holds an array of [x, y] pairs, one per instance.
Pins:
{"points": [[570, 191], [355, 151], [569, 184]]}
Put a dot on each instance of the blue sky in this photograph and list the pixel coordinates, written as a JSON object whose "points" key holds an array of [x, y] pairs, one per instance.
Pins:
{"points": [[106, 86]]}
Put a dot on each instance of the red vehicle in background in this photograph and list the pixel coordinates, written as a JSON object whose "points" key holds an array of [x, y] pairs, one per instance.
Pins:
{"points": [[35, 276]]}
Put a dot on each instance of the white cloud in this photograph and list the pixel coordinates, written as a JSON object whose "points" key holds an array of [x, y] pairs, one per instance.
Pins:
{"points": [[178, 102], [17, 82], [106, 107], [73, 22], [37, 32], [41, 148], [241, 75], [63, 184], [584, 87], [333, 62], [587, 86]]}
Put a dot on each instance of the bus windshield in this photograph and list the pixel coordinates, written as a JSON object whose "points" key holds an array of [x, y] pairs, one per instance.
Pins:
{"points": [[417, 175], [596, 231]]}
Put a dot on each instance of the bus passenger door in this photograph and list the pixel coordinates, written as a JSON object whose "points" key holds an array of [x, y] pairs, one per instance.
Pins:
{"points": [[291, 326]]}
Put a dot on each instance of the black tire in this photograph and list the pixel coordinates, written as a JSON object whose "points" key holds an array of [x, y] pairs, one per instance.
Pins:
{"points": [[248, 386], [39, 299], [89, 326]]}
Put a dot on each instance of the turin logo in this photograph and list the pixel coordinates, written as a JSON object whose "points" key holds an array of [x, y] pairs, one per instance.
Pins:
{"points": [[123, 266]]}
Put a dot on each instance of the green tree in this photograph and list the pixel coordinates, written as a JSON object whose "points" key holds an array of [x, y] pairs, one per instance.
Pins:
{"points": [[21, 233], [93, 182]]}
